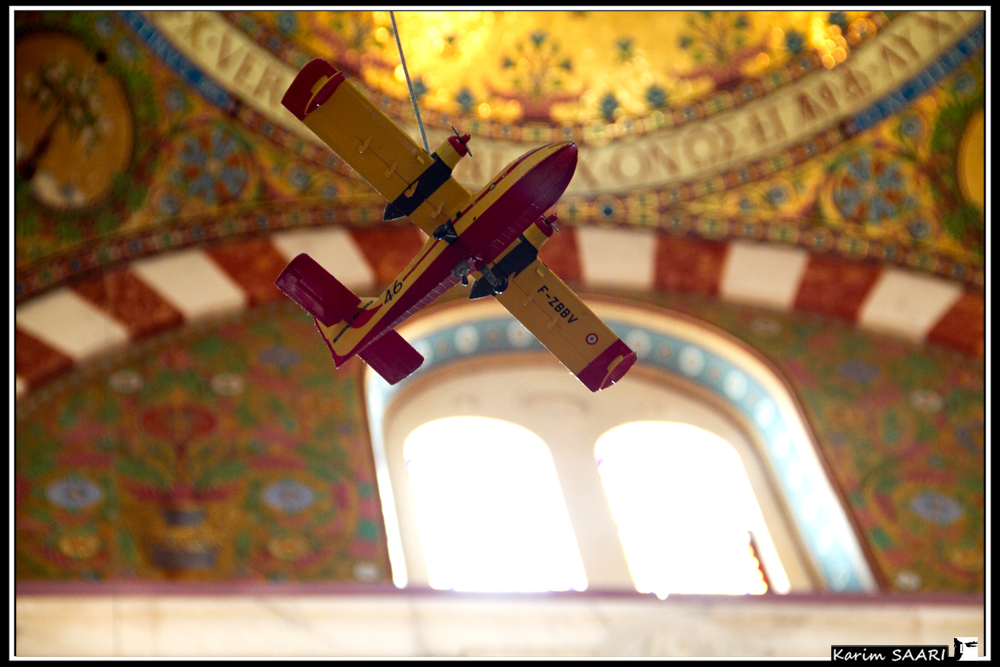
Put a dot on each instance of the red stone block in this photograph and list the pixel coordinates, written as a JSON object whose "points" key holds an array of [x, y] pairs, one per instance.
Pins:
{"points": [[835, 287], [388, 251], [254, 265], [963, 327], [561, 255], [35, 361], [689, 265], [125, 297]]}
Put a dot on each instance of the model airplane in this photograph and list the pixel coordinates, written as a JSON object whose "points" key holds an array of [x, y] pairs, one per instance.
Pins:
{"points": [[494, 235]]}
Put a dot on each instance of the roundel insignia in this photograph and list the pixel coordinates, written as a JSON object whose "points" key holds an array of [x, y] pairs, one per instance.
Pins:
{"points": [[591, 339]]}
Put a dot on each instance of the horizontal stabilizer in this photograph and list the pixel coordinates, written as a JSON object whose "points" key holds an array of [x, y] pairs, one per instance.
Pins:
{"points": [[311, 286], [392, 357]]}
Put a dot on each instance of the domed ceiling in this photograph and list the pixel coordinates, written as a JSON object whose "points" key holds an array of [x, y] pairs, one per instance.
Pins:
{"points": [[855, 134], [830, 165], [571, 68]]}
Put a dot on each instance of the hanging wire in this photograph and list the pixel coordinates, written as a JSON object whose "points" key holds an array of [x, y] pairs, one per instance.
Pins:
{"points": [[413, 98]]}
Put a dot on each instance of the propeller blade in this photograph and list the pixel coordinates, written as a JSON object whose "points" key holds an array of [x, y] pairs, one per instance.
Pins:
{"points": [[464, 143]]}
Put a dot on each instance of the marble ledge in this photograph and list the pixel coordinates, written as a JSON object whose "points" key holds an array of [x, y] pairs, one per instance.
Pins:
{"points": [[475, 625]]}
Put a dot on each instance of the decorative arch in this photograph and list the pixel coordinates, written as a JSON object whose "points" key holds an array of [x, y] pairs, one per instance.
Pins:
{"points": [[716, 365]]}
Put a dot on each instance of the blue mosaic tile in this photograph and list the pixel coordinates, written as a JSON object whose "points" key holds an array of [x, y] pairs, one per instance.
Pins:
{"points": [[181, 66], [918, 84]]}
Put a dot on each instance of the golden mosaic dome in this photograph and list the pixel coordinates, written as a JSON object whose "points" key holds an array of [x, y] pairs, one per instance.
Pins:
{"points": [[573, 67]]}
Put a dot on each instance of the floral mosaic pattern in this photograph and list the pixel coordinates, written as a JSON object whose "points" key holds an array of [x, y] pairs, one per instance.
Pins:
{"points": [[77, 104], [900, 427], [536, 73], [869, 189], [229, 452], [263, 179], [717, 43], [193, 166], [211, 167], [643, 61], [889, 193], [233, 453], [102, 121], [73, 493]]}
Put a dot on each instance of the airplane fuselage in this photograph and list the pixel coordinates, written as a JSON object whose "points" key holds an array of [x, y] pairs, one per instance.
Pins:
{"points": [[494, 234], [485, 227]]}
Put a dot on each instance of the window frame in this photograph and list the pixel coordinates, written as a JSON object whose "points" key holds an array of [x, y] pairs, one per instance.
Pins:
{"points": [[434, 333]]}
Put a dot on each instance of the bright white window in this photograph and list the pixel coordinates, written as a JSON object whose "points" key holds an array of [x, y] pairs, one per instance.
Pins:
{"points": [[684, 507], [489, 508]]}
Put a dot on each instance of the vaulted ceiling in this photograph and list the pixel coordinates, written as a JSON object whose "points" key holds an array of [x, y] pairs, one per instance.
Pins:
{"points": [[811, 183], [823, 161]]}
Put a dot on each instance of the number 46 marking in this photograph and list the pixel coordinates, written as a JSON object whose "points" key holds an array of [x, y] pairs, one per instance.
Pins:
{"points": [[392, 291]]}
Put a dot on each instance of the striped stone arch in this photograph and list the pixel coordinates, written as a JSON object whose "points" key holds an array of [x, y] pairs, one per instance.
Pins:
{"points": [[67, 325]]}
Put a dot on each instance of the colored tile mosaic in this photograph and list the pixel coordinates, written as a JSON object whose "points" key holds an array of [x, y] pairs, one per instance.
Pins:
{"points": [[918, 85], [140, 435], [900, 428], [34, 281], [224, 452], [192, 163], [130, 301], [162, 49], [86, 170], [887, 194], [348, 38], [207, 173]]}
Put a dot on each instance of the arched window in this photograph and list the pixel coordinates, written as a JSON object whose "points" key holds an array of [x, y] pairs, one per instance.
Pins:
{"points": [[685, 510], [477, 361], [489, 509]]}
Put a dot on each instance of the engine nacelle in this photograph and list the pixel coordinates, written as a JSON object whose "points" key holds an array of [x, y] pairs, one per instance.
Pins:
{"points": [[453, 149]]}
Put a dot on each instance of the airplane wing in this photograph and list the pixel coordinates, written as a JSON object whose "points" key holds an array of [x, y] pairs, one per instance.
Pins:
{"points": [[420, 185], [566, 326]]}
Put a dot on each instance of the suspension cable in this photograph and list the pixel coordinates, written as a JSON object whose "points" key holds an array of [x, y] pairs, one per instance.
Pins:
{"points": [[413, 97]]}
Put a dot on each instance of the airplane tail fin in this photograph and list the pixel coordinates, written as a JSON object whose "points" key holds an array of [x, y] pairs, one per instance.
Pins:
{"points": [[311, 286], [391, 357]]}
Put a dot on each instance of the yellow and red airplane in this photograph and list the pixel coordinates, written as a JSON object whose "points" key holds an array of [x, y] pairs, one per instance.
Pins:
{"points": [[494, 235]]}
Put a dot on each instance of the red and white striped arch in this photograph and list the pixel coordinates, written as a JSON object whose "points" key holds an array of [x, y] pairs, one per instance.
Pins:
{"points": [[68, 325]]}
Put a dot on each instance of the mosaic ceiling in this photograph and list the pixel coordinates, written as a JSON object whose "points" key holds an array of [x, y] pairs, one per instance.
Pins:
{"points": [[566, 67], [227, 452], [851, 142], [857, 135], [195, 461]]}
